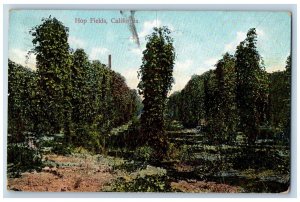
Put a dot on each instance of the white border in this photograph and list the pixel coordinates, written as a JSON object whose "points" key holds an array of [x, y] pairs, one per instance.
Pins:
{"points": [[3, 89]]}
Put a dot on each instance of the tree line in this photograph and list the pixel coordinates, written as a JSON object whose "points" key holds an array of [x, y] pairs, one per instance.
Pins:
{"points": [[82, 99], [238, 96], [67, 94]]}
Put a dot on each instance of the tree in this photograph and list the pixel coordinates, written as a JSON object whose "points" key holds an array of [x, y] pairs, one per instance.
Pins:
{"points": [[136, 105], [288, 72], [80, 89], [280, 99], [251, 87], [192, 107], [21, 101], [156, 81], [68, 93], [121, 97], [225, 115], [174, 106], [277, 98], [208, 100], [50, 40], [210, 103], [98, 122]]}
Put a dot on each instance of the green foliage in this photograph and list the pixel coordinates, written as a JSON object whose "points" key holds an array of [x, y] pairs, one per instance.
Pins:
{"points": [[142, 184], [126, 137], [54, 144], [173, 125], [174, 103], [21, 101], [186, 152], [81, 108], [221, 110], [85, 100], [208, 101], [21, 157], [238, 96], [126, 99], [261, 159], [280, 99], [173, 151], [144, 153], [251, 87], [192, 111], [151, 179], [81, 150], [61, 149], [67, 94], [183, 153], [156, 81], [50, 41]]}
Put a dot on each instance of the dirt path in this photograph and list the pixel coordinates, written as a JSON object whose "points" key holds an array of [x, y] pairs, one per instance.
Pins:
{"points": [[75, 174], [204, 187], [87, 173]]}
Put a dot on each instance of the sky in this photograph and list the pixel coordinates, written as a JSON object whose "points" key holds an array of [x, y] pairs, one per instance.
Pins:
{"points": [[200, 37]]}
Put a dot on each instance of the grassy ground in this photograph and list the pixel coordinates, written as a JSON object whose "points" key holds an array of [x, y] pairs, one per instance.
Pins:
{"points": [[191, 165]]}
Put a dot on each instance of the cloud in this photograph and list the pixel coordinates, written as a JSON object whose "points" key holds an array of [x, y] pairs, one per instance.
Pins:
{"points": [[240, 36], [201, 70], [274, 68], [97, 52], [260, 32], [137, 51], [230, 47], [182, 74], [183, 66], [148, 27], [130, 75], [19, 56], [76, 42], [275, 64], [210, 62]]}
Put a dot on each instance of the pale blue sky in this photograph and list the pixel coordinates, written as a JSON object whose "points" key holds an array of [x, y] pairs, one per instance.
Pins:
{"points": [[200, 37]]}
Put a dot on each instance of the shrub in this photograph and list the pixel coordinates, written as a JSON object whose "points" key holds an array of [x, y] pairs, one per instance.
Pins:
{"points": [[61, 149], [251, 158], [186, 152], [21, 158], [174, 152], [126, 137], [81, 150], [151, 179], [142, 184], [143, 153], [173, 125], [132, 136]]}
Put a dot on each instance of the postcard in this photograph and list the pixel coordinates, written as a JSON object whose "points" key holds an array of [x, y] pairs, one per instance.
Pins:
{"points": [[149, 101]]}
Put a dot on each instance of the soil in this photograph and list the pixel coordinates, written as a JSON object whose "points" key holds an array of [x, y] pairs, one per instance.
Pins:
{"points": [[85, 174], [84, 177], [202, 186]]}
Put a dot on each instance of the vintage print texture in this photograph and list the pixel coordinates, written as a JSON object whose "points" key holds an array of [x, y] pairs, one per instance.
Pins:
{"points": [[149, 101]]}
